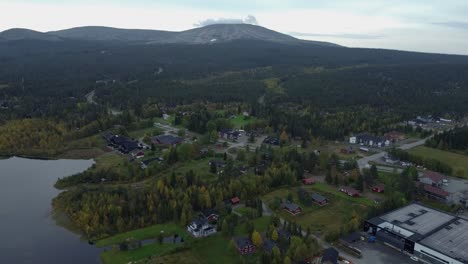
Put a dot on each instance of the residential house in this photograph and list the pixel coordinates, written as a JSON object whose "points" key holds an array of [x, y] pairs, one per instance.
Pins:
{"points": [[394, 136], [432, 178], [138, 154], [330, 256], [235, 200], [436, 193], [271, 141], [167, 140], [350, 191], [210, 214], [308, 181], [366, 139], [268, 244], [229, 134], [121, 143], [291, 207], [319, 199], [200, 227], [379, 188], [244, 245]]}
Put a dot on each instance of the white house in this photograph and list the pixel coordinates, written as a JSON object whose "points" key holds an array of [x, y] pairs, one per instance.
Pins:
{"points": [[352, 140], [200, 227]]}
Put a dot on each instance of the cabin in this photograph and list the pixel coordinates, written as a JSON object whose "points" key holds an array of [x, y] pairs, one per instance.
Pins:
{"points": [[235, 200], [123, 144], [271, 141], [379, 188], [319, 199], [308, 181], [244, 245], [292, 208], [210, 214], [200, 227], [350, 191]]}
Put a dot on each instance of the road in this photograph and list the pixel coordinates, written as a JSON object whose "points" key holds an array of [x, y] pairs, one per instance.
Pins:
{"points": [[364, 162]]}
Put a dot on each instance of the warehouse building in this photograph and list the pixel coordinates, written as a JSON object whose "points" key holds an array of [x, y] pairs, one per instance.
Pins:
{"points": [[429, 234]]}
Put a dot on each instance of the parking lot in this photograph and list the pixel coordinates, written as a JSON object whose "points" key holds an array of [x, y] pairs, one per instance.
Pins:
{"points": [[377, 253]]}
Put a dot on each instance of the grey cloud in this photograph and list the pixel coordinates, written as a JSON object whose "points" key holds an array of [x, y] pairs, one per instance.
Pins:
{"points": [[247, 20], [344, 35], [453, 24]]}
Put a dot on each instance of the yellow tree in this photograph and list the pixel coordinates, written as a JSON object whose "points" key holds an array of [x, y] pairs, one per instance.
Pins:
{"points": [[257, 239], [274, 235]]}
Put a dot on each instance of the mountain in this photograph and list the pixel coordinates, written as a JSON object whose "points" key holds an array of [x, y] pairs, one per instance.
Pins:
{"points": [[205, 35], [96, 33], [26, 34]]}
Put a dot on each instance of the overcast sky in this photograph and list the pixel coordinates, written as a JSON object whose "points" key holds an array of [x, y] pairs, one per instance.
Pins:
{"points": [[417, 25]]}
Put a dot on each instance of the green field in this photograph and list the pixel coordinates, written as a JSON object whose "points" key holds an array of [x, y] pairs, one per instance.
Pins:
{"points": [[155, 249], [458, 162], [322, 219], [241, 121], [141, 234], [261, 224], [199, 167]]}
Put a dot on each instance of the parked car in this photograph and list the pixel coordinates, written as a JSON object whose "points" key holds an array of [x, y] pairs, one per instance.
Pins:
{"points": [[413, 258]]}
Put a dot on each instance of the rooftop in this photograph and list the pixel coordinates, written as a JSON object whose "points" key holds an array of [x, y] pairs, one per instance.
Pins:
{"points": [[451, 240], [417, 218]]}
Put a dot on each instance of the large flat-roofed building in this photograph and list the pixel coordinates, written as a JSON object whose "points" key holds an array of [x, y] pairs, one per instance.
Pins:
{"points": [[432, 235]]}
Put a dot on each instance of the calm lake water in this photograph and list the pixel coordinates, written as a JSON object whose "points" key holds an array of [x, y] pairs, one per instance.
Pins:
{"points": [[28, 234]]}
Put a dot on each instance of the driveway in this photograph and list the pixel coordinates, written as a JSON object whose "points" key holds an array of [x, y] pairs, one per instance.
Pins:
{"points": [[364, 162]]}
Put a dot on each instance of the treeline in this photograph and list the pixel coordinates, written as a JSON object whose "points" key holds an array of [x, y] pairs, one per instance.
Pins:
{"points": [[429, 163], [452, 140]]}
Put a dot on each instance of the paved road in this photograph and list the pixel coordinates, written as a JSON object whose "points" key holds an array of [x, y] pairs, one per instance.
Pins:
{"points": [[364, 162]]}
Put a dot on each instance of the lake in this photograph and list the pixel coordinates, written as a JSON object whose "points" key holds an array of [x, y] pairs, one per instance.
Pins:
{"points": [[28, 233]]}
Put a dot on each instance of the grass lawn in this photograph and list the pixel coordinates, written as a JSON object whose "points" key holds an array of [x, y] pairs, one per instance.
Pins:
{"points": [[214, 249], [123, 257], [186, 257], [241, 120], [200, 167], [456, 161], [322, 219], [112, 161], [261, 224], [143, 233]]}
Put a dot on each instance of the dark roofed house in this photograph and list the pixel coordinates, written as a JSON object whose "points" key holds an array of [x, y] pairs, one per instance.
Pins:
{"points": [[292, 208], [268, 244], [330, 256], [244, 245], [167, 140], [350, 191], [319, 199], [437, 193], [217, 163], [308, 181], [123, 144], [379, 188]]}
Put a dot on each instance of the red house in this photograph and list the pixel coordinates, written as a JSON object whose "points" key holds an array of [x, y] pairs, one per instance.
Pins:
{"points": [[380, 188], [244, 245], [350, 191], [308, 181], [235, 200]]}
